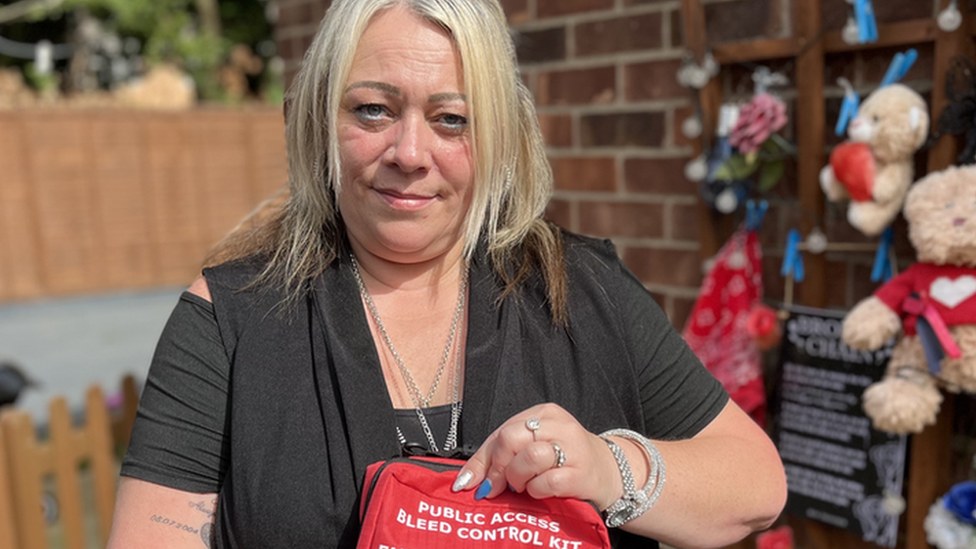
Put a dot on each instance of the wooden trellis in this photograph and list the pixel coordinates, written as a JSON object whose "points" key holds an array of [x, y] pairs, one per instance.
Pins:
{"points": [[928, 476]]}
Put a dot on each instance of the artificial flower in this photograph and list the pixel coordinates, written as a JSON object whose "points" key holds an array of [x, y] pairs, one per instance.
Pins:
{"points": [[758, 119], [961, 501], [763, 327], [780, 538]]}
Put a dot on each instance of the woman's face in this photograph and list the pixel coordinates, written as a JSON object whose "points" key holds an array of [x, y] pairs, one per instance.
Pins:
{"points": [[405, 141]]}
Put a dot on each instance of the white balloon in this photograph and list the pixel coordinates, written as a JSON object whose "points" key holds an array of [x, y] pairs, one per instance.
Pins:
{"points": [[691, 127], [950, 19], [696, 170], [726, 202]]}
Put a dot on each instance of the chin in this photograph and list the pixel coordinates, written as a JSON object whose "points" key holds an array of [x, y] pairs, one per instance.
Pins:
{"points": [[402, 248]]}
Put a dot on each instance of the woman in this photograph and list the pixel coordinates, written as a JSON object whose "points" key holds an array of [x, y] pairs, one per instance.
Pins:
{"points": [[409, 291]]}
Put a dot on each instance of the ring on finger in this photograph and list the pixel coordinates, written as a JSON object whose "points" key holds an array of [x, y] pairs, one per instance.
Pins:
{"points": [[533, 425], [560, 456]]}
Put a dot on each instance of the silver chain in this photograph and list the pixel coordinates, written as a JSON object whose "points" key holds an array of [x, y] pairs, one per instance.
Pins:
{"points": [[419, 401]]}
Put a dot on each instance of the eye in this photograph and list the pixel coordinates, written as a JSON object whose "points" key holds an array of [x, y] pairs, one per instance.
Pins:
{"points": [[454, 122], [950, 205], [371, 111], [875, 119]]}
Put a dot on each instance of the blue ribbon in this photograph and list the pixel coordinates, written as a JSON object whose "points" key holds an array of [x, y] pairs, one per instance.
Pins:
{"points": [[793, 259], [882, 265]]}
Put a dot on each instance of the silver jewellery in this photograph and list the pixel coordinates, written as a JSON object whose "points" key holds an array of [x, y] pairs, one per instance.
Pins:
{"points": [[420, 401], [560, 456], [633, 503], [533, 425]]}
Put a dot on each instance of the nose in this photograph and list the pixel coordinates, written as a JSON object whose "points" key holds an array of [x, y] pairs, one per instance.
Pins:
{"points": [[411, 148]]}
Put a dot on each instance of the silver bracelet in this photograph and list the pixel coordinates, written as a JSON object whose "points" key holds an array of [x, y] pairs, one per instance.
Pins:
{"points": [[633, 503]]}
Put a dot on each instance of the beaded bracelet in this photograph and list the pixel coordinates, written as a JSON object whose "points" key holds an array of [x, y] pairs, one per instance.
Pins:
{"points": [[633, 503]]}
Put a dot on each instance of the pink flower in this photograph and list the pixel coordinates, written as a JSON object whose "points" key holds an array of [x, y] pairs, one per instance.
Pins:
{"points": [[758, 119], [780, 538]]}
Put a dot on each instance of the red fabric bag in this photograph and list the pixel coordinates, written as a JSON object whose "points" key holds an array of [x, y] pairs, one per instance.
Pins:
{"points": [[407, 503]]}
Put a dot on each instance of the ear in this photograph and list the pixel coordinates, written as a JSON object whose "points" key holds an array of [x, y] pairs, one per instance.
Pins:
{"points": [[915, 117]]}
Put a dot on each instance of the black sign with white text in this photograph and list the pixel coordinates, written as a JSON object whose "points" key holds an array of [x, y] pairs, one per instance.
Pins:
{"points": [[840, 470]]}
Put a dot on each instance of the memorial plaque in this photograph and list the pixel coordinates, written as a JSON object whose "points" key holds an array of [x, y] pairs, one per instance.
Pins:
{"points": [[840, 470]]}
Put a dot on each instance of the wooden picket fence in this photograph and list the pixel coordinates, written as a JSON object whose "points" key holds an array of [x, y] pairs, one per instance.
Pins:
{"points": [[30, 467], [107, 200]]}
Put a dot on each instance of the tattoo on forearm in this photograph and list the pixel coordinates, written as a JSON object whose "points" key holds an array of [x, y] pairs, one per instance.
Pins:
{"points": [[207, 535], [174, 524], [202, 507]]}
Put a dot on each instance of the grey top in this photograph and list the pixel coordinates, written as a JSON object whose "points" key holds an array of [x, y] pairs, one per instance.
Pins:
{"points": [[240, 394]]}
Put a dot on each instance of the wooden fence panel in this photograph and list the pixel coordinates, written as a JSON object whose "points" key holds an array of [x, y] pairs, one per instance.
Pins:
{"points": [[102, 200]]}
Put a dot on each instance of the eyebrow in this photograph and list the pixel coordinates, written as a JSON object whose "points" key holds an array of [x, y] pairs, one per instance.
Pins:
{"points": [[393, 90]]}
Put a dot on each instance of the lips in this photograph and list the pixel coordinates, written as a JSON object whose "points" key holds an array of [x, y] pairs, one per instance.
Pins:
{"points": [[959, 222], [405, 201]]}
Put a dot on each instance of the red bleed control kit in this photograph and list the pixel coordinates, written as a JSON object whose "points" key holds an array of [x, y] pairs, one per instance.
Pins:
{"points": [[407, 503]]}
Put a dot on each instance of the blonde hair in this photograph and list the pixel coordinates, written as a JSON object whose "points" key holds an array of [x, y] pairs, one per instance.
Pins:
{"points": [[512, 181]]}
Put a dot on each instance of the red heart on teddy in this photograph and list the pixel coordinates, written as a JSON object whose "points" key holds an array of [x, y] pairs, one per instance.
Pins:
{"points": [[853, 165]]}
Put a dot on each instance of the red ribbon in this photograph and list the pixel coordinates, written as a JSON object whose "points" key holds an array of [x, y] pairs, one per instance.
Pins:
{"points": [[918, 307]]}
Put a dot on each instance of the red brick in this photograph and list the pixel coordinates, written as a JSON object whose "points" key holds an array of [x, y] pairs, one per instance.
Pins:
{"points": [[680, 311], [576, 87], [742, 20], [541, 45], [677, 29], [557, 129], [684, 222], [295, 13], [653, 80], [657, 175], [560, 213], [517, 11], [621, 219], [627, 129], [637, 32], [666, 267], [553, 8], [584, 174], [285, 49]]}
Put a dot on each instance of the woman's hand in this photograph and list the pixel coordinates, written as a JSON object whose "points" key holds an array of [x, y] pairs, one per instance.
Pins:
{"points": [[519, 458]]}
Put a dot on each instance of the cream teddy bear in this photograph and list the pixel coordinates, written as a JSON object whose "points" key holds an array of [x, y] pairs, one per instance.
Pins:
{"points": [[933, 303], [874, 168]]}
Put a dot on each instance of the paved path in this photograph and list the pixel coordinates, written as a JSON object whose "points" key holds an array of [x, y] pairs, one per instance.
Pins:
{"points": [[69, 344]]}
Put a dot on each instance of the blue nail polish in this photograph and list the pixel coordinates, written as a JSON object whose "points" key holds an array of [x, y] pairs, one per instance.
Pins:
{"points": [[483, 490], [511, 488]]}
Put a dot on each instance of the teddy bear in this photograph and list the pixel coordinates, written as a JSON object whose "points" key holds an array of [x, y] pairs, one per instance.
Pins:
{"points": [[932, 303], [874, 168]]}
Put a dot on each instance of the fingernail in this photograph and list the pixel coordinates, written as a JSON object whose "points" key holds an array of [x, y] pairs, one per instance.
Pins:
{"points": [[483, 490], [462, 481]]}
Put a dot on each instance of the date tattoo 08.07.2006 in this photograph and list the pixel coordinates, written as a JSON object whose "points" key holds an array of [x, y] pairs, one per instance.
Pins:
{"points": [[204, 532]]}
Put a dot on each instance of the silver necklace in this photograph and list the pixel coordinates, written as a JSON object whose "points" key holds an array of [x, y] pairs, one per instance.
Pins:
{"points": [[420, 401]]}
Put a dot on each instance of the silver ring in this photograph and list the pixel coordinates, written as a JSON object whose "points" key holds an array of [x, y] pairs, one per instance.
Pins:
{"points": [[533, 425], [560, 456]]}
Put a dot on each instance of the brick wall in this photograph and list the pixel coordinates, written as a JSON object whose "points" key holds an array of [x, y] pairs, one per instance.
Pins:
{"points": [[603, 75], [94, 201]]}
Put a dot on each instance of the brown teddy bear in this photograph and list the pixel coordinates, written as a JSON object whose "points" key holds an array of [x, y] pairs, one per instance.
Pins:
{"points": [[933, 303], [873, 169]]}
